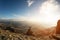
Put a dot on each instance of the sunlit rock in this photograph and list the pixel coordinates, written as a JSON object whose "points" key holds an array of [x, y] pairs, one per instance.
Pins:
{"points": [[58, 27]]}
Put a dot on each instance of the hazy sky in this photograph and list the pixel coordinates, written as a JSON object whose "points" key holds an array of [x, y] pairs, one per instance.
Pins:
{"points": [[43, 11]]}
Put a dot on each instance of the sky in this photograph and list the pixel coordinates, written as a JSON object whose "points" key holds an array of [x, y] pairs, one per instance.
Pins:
{"points": [[46, 12], [11, 8]]}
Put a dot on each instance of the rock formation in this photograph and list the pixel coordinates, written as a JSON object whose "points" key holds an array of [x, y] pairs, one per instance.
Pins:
{"points": [[29, 32], [58, 27]]}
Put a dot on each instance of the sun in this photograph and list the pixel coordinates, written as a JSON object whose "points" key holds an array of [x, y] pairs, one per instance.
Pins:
{"points": [[48, 14]]}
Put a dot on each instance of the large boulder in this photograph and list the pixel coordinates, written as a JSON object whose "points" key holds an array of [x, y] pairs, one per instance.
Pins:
{"points": [[58, 27]]}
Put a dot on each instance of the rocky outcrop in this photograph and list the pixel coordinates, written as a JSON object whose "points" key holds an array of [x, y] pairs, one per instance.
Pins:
{"points": [[29, 32], [58, 27]]}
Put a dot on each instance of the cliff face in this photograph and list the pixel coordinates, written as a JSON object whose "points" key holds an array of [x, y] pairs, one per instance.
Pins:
{"points": [[58, 27]]}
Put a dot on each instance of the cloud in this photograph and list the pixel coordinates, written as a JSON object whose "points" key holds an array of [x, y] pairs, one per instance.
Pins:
{"points": [[48, 13], [5, 18], [30, 2], [19, 17]]}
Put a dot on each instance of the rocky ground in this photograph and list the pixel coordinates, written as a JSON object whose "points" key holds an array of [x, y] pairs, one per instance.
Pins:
{"points": [[7, 35], [15, 31]]}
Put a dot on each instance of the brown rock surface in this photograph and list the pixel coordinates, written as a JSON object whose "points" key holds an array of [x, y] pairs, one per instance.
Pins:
{"points": [[58, 27]]}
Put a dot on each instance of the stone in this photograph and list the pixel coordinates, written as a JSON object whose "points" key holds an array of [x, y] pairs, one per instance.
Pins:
{"points": [[58, 27]]}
